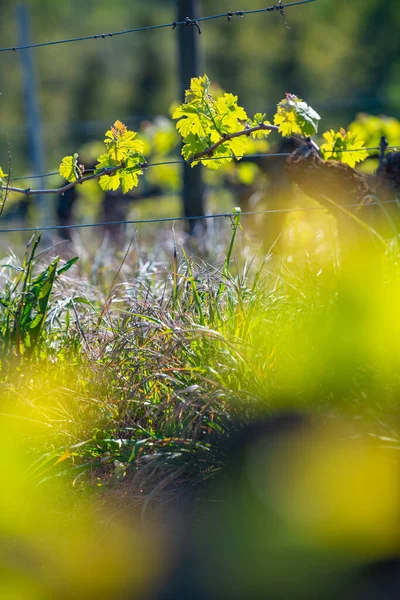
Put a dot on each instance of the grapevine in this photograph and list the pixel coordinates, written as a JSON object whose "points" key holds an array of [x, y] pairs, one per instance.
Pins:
{"points": [[210, 127], [341, 141]]}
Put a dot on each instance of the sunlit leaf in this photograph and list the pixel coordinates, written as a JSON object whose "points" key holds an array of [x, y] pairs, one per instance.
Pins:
{"points": [[229, 114], [294, 116], [128, 181], [110, 183], [121, 142], [204, 121], [69, 168], [344, 146], [259, 119], [199, 87]]}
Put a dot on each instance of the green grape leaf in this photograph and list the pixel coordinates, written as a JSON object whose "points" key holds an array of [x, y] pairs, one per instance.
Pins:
{"points": [[126, 176], [110, 183], [238, 146], [294, 116], [121, 142], [204, 121], [261, 134], [128, 181], [259, 119], [219, 128], [214, 163], [69, 168], [343, 146], [228, 115], [184, 110], [192, 122], [199, 89], [192, 146], [135, 162], [225, 153], [105, 161]]}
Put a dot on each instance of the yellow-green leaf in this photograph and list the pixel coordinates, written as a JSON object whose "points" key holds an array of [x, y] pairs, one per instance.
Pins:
{"points": [[343, 146], [109, 182], [105, 162], [199, 87], [215, 164], [294, 116], [193, 123], [239, 146], [193, 145], [128, 181], [116, 132], [69, 168], [229, 114], [259, 119], [121, 142]]}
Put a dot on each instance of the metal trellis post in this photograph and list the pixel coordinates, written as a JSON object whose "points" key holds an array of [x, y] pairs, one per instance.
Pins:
{"points": [[190, 65]]}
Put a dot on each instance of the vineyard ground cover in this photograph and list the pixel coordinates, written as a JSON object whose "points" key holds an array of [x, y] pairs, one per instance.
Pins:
{"points": [[144, 371], [94, 320]]}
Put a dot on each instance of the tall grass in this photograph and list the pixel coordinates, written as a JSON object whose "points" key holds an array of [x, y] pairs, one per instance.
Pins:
{"points": [[149, 375], [126, 387]]}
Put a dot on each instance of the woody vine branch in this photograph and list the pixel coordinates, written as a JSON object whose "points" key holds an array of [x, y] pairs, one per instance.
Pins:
{"points": [[210, 126]]}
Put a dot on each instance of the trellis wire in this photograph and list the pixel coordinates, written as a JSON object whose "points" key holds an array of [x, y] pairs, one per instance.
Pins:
{"points": [[181, 161], [188, 22], [177, 219]]}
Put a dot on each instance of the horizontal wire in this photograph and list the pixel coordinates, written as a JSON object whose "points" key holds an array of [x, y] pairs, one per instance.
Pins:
{"points": [[158, 164], [29, 177], [173, 25], [206, 158], [176, 219], [361, 150]]}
